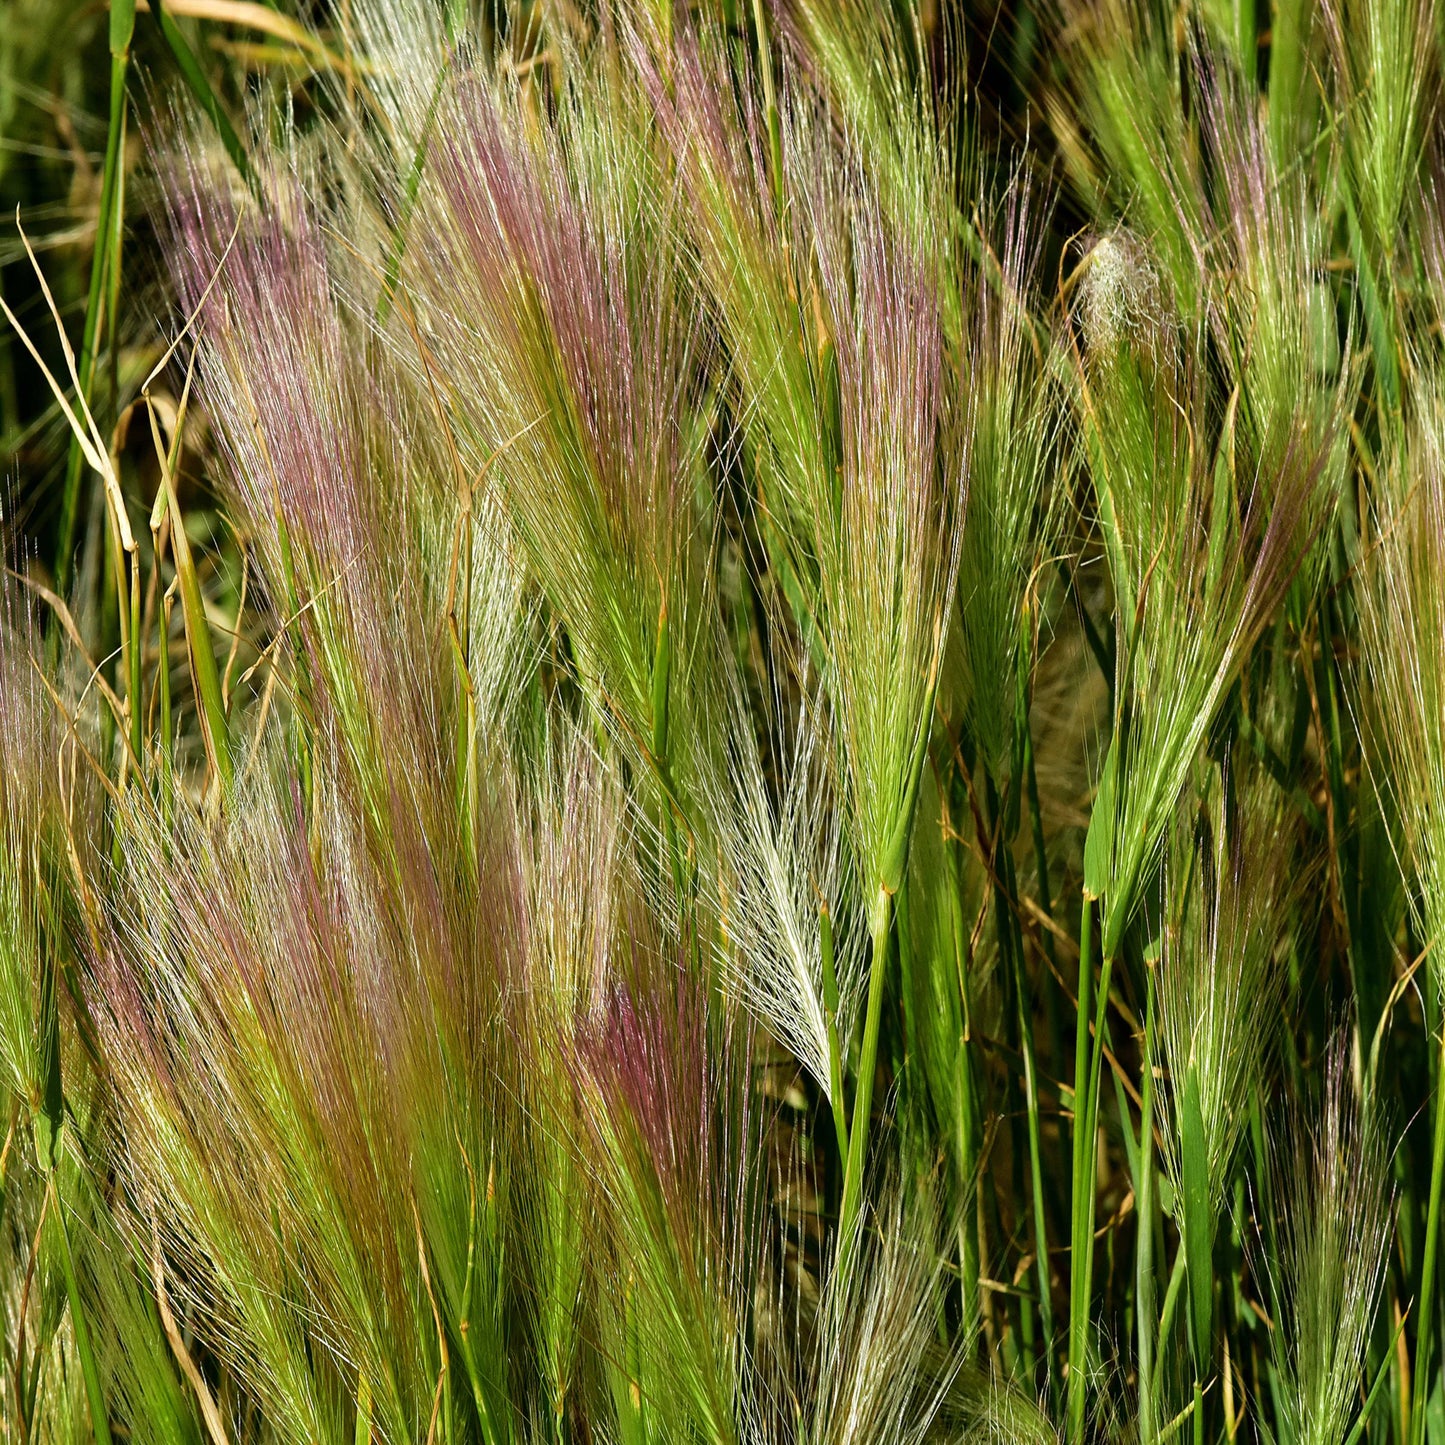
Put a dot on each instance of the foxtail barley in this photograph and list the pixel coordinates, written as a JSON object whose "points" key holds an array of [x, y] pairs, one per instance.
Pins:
{"points": [[678, 535]]}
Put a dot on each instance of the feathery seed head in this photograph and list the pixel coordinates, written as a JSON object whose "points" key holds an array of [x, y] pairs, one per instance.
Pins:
{"points": [[1122, 297], [1335, 1225]]}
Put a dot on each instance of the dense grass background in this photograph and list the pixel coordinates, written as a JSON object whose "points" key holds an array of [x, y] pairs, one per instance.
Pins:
{"points": [[722, 722]]}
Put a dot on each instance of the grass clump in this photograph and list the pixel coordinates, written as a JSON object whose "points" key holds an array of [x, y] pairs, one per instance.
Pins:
{"points": [[735, 733]]}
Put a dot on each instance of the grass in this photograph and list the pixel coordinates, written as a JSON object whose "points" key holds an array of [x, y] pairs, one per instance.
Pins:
{"points": [[735, 732]]}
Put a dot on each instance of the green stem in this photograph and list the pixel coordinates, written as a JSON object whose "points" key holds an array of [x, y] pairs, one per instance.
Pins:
{"points": [[163, 664], [1081, 1244], [830, 1007], [1196, 1216], [1427, 1274], [1244, 39], [1041, 863], [135, 698], [770, 102], [1036, 1172], [965, 1110], [1011, 946], [492, 1433], [94, 1394], [1171, 1301], [117, 575], [101, 537], [195, 78], [880, 918], [362, 1434], [112, 270], [100, 258], [1144, 1253], [203, 656]]}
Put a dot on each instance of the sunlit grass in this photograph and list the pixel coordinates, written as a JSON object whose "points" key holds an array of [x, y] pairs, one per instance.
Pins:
{"points": [[725, 742]]}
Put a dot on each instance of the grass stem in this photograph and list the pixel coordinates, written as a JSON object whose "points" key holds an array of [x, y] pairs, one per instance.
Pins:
{"points": [[1144, 1250], [1421, 1373], [830, 1008], [880, 918], [105, 232], [1011, 946], [1081, 1249], [84, 1347]]}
